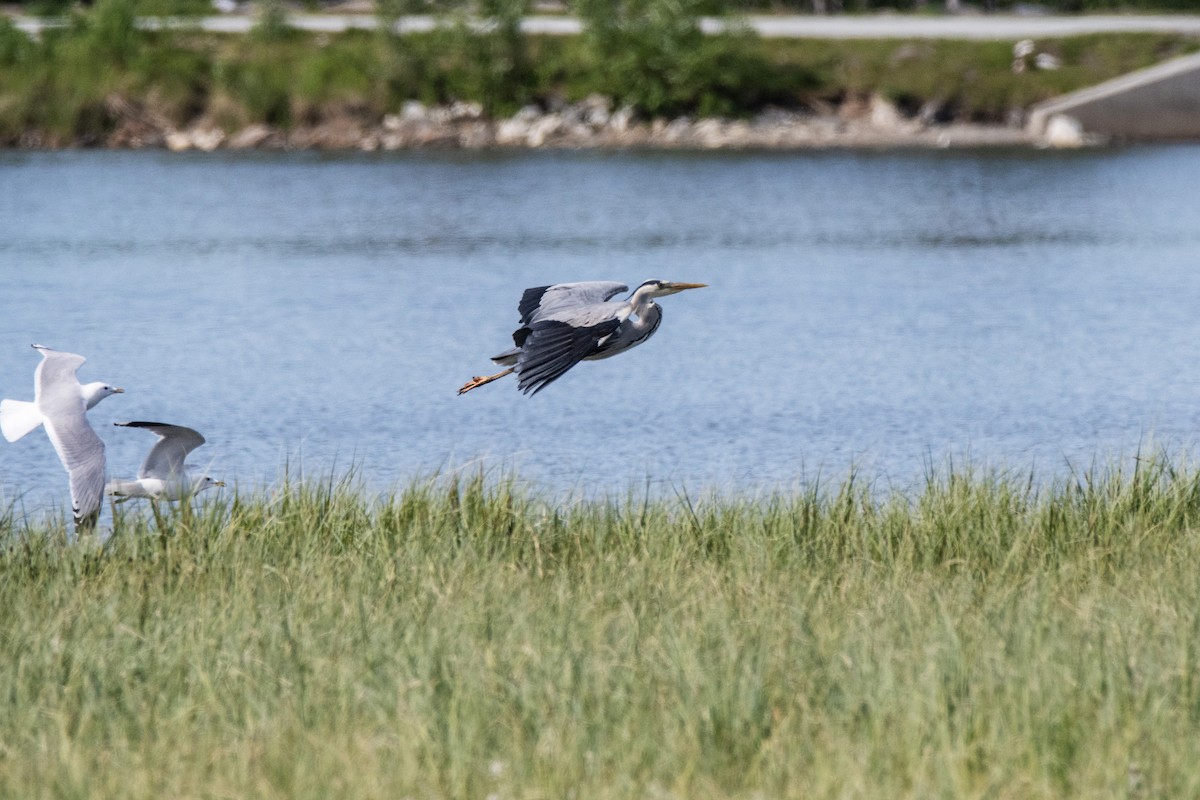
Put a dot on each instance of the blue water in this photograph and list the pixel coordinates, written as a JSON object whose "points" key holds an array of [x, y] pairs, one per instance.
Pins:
{"points": [[879, 311]]}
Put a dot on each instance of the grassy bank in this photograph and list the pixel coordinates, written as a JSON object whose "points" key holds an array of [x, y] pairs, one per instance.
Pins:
{"points": [[83, 84], [978, 638]]}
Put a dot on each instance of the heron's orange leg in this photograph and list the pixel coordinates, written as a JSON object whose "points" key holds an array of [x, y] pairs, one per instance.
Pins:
{"points": [[478, 381]]}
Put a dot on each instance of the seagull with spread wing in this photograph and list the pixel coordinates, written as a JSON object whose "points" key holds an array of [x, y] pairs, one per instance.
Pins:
{"points": [[19, 417], [163, 475], [60, 404]]}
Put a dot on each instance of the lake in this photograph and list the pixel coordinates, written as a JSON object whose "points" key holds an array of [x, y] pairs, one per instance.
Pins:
{"points": [[1035, 312]]}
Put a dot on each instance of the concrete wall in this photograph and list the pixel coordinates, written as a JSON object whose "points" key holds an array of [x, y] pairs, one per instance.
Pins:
{"points": [[1161, 102]]}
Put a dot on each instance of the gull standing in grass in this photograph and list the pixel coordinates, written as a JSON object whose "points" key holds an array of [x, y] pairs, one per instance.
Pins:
{"points": [[566, 323], [60, 404], [163, 475]]}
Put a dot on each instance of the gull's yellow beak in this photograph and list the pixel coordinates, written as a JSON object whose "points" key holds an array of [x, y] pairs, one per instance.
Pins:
{"points": [[118, 390]]}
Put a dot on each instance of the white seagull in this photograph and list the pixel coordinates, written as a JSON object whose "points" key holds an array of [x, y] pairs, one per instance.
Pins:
{"points": [[163, 475], [19, 417], [60, 404]]}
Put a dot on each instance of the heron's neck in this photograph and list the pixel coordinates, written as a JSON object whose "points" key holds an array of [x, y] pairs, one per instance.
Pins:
{"points": [[642, 305], [648, 315]]}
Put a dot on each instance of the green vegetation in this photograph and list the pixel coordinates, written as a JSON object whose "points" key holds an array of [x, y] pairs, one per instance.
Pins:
{"points": [[702, 6], [972, 80], [979, 637], [81, 83]]}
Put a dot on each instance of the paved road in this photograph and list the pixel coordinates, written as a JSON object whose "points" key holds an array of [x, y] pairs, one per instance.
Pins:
{"points": [[796, 27]]}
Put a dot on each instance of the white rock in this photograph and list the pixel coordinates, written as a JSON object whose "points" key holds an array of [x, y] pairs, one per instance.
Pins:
{"points": [[1046, 61], [207, 139], [1023, 48], [677, 130], [710, 132], [460, 110], [1064, 131], [413, 111], [178, 141], [250, 136], [543, 129], [596, 110], [512, 130], [622, 119], [884, 114], [528, 113]]}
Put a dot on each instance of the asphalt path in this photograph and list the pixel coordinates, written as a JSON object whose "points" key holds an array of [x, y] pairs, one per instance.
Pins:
{"points": [[883, 26]]}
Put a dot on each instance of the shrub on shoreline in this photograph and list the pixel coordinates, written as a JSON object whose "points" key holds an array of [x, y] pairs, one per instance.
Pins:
{"points": [[70, 87]]}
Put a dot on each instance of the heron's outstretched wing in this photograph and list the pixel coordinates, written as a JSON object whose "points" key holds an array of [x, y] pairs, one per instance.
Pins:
{"points": [[554, 346], [542, 301], [167, 455]]}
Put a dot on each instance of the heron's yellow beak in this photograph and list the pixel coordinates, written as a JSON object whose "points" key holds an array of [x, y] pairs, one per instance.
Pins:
{"points": [[679, 287]]}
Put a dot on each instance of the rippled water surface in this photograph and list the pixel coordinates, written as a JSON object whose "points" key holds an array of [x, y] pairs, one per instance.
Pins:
{"points": [[1026, 311]]}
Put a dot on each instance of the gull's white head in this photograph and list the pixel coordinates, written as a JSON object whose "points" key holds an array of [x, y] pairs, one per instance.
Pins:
{"points": [[207, 483], [98, 390]]}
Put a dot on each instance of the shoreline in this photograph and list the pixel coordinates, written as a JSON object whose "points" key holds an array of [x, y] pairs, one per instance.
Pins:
{"points": [[592, 123]]}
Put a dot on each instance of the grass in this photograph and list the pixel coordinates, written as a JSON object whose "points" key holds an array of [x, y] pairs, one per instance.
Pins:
{"points": [[973, 80], [979, 637], [79, 84]]}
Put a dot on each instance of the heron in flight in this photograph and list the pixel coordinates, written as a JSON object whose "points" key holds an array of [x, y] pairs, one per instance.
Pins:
{"points": [[566, 323]]}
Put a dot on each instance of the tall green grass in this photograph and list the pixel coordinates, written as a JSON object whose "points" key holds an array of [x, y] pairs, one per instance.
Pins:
{"points": [[980, 636]]}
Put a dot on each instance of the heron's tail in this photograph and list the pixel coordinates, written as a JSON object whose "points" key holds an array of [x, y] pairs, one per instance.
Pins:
{"points": [[508, 357], [17, 418]]}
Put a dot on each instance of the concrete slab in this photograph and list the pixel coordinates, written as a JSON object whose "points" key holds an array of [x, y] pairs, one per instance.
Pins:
{"points": [[1160, 102]]}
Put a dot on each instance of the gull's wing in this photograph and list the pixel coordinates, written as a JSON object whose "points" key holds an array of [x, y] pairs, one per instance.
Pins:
{"points": [[82, 453], [167, 455], [60, 401], [55, 376], [542, 301], [554, 346], [17, 418]]}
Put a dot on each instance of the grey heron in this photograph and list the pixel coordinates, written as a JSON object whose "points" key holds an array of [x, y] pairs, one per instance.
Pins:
{"points": [[163, 475], [60, 404], [565, 323]]}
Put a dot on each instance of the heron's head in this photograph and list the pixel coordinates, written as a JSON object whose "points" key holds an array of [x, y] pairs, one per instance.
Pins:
{"points": [[657, 288], [95, 392]]}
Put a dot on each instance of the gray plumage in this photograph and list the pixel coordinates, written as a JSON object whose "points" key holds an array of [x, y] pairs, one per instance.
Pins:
{"points": [[167, 455], [60, 400], [163, 474], [563, 324]]}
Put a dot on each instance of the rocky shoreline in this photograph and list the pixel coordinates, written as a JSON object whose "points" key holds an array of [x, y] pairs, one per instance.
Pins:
{"points": [[592, 123]]}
